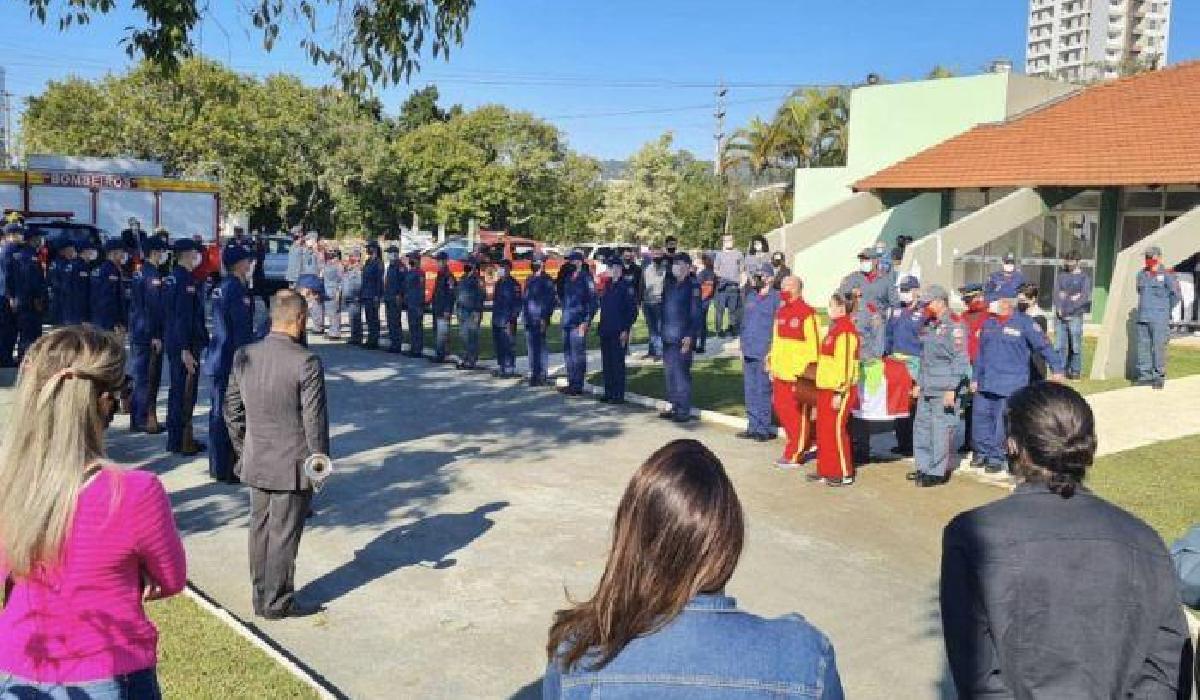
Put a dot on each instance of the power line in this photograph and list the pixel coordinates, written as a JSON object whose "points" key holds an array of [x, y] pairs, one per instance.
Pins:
{"points": [[657, 110]]}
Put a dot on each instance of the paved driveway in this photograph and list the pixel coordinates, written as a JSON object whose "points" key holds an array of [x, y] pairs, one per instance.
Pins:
{"points": [[466, 508]]}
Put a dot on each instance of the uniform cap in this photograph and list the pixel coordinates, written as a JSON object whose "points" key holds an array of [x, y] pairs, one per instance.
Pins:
{"points": [[613, 260], [778, 256], [970, 289], [683, 258], [935, 291], [441, 255], [393, 249], [766, 270], [12, 228], [113, 244], [184, 245], [31, 233], [83, 244], [1153, 252], [909, 283], [506, 264], [154, 244], [234, 254], [310, 282], [575, 255], [868, 254], [414, 255]]}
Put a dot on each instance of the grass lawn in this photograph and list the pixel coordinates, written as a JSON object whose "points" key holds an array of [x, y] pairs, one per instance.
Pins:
{"points": [[200, 657], [1159, 483], [1182, 361]]}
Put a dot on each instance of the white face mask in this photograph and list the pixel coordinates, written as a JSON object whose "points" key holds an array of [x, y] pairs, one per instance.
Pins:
{"points": [[866, 266], [89, 255], [1009, 267], [501, 273], [681, 270], [727, 244], [994, 307], [906, 297]]}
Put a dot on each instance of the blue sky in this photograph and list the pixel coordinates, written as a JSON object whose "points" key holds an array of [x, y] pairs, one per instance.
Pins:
{"points": [[616, 73]]}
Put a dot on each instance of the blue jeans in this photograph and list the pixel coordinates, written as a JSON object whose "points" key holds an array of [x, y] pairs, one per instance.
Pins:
{"points": [[654, 326], [1152, 339], [1068, 341], [139, 685], [988, 434], [220, 448], [728, 299]]}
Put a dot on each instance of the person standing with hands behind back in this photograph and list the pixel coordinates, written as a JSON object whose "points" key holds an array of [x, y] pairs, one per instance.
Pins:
{"points": [[1158, 292], [1072, 300], [681, 321], [579, 304], [277, 416], [537, 308], [79, 560]]}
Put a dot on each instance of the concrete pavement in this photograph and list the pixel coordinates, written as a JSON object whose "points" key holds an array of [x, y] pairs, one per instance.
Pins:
{"points": [[467, 507]]}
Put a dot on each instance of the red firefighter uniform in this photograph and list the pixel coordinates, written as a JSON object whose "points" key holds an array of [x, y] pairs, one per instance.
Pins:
{"points": [[793, 348], [837, 380]]}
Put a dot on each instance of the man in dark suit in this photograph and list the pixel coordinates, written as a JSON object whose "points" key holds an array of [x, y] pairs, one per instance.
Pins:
{"points": [[275, 410]]}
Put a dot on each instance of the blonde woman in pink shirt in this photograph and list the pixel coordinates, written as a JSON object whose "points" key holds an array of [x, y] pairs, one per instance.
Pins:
{"points": [[82, 542]]}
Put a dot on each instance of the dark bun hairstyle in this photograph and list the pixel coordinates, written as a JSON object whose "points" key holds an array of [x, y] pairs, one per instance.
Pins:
{"points": [[1054, 433]]}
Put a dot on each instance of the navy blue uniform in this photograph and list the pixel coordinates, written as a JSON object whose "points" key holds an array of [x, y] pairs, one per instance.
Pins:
{"points": [[470, 298], [76, 286], [26, 290], [1158, 292], [443, 308], [184, 329], [944, 367], [414, 307], [108, 296], [372, 291], [233, 327], [393, 301], [537, 308], [350, 293], [1003, 285], [1072, 300], [579, 304], [8, 321], [145, 327], [758, 326], [55, 287], [681, 321], [506, 310], [618, 311], [903, 339], [1005, 347]]}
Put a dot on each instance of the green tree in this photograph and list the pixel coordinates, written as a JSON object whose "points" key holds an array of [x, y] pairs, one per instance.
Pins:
{"points": [[422, 108], [641, 207], [700, 203], [755, 147], [363, 42], [939, 72]]}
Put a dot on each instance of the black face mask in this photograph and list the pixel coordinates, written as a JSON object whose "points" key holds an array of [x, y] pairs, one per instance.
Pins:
{"points": [[536, 267], [1023, 306], [671, 250], [658, 260]]}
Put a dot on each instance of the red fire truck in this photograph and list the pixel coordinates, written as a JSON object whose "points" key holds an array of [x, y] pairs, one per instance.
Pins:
{"points": [[492, 247]]}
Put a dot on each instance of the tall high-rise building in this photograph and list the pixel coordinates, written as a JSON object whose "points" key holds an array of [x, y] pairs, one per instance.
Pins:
{"points": [[1085, 40]]}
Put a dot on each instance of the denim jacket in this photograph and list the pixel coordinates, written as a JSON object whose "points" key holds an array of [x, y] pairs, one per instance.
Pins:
{"points": [[711, 651]]}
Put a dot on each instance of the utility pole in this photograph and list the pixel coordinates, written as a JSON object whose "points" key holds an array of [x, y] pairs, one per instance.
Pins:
{"points": [[719, 135], [6, 145]]}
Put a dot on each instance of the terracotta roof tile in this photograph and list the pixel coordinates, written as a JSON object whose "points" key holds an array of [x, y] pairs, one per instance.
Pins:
{"points": [[1141, 130]]}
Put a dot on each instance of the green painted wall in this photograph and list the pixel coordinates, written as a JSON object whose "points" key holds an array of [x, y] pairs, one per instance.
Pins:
{"points": [[1106, 249], [889, 123], [823, 265]]}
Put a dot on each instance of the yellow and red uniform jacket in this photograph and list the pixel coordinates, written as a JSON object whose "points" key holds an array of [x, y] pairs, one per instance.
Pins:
{"points": [[794, 339], [837, 362]]}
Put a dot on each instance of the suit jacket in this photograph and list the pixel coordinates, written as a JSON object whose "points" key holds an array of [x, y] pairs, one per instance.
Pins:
{"points": [[276, 412]]}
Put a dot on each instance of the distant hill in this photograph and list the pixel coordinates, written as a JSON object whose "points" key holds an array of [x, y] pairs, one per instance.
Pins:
{"points": [[613, 169]]}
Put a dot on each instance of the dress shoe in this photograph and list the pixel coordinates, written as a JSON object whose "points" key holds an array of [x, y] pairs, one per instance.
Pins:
{"points": [[993, 468], [568, 391], [814, 478], [747, 435], [193, 449], [764, 437], [667, 415], [371, 346], [912, 476], [929, 480], [978, 461], [1160, 384], [294, 610], [844, 481], [684, 418], [785, 464]]}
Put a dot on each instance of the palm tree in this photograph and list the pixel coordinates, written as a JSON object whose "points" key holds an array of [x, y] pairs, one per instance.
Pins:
{"points": [[812, 128], [754, 146]]}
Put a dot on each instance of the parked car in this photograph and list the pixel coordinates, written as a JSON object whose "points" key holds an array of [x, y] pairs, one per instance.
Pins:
{"points": [[275, 263], [597, 253]]}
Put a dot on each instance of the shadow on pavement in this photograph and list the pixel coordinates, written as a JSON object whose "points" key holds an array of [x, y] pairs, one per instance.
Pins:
{"points": [[532, 691], [427, 542]]}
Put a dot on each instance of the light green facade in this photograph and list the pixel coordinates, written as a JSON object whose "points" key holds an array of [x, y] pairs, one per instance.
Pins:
{"points": [[889, 123]]}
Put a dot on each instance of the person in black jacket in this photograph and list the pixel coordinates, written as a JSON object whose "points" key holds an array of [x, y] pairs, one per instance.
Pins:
{"points": [[1054, 592]]}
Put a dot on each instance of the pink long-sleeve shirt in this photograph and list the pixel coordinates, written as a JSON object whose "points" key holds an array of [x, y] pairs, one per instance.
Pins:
{"points": [[83, 620]]}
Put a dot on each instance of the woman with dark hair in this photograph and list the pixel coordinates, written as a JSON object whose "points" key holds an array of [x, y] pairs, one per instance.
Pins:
{"points": [[1054, 592], [659, 623]]}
